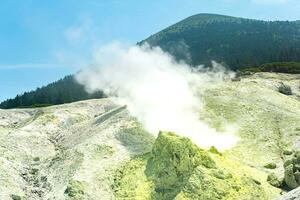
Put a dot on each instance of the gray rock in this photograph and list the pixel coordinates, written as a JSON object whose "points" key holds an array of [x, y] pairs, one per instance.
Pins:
{"points": [[289, 177], [292, 195], [270, 165], [285, 89], [274, 180]]}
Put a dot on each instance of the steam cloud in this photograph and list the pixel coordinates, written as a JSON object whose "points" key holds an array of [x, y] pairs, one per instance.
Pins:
{"points": [[161, 93]]}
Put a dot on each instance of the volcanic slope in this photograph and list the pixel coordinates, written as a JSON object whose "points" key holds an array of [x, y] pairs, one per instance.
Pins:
{"points": [[94, 148]]}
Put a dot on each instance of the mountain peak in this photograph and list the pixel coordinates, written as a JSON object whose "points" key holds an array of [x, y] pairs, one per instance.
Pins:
{"points": [[236, 42]]}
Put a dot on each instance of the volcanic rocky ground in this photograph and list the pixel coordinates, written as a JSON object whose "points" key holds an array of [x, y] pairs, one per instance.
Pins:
{"points": [[96, 150]]}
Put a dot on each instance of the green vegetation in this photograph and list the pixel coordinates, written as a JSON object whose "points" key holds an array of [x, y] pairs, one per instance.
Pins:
{"points": [[62, 91], [235, 42], [280, 67], [238, 43]]}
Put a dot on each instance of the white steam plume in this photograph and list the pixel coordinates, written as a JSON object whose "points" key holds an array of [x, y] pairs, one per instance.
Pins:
{"points": [[161, 93]]}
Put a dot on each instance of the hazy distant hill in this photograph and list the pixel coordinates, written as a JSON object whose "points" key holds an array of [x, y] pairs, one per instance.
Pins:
{"points": [[235, 41]]}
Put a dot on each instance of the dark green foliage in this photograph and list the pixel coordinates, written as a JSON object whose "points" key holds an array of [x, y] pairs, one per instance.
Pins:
{"points": [[280, 67], [236, 42], [65, 90]]}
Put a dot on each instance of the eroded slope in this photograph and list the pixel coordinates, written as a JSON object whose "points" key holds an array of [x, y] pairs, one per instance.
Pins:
{"points": [[43, 151]]}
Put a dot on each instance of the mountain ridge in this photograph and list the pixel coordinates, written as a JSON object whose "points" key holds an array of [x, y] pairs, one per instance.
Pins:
{"points": [[237, 43], [65, 90], [233, 41]]}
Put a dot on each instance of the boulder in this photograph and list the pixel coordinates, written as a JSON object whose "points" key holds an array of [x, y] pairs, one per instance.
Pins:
{"points": [[274, 180], [292, 171], [285, 89], [173, 161], [270, 165]]}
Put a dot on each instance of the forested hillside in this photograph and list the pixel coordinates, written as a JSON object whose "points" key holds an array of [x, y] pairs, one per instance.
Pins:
{"points": [[281, 67], [65, 90], [239, 44], [236, 42]]}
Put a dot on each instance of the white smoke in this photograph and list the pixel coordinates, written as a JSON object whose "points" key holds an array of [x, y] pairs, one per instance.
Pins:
{"points": [[161, 93]]}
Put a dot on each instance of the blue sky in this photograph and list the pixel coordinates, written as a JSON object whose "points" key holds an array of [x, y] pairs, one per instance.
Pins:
{"points": [[41, 41]]}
